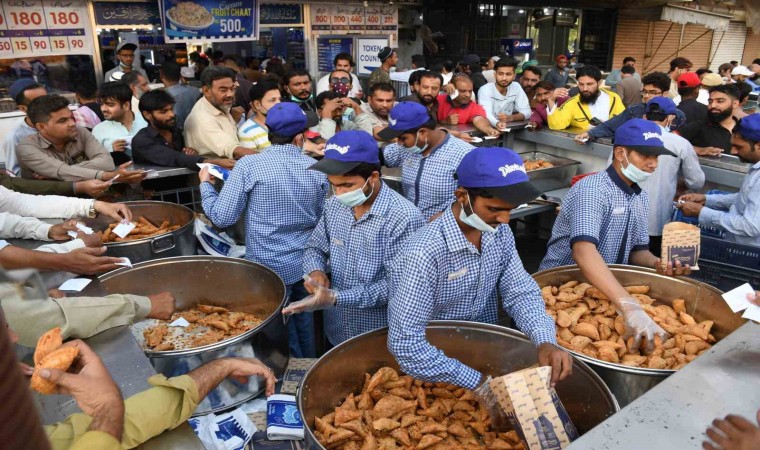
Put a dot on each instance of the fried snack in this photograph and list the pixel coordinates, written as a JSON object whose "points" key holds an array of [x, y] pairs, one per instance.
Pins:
{"points": [[395, 411], [588, 323], [143, 229], [60, 359], [208, 325], [536, 164], [46, 344]]}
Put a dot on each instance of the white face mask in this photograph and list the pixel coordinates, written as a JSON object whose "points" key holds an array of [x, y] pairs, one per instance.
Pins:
{"points": [[633, 173], [355, 197], [416, 148], [474, 220]]}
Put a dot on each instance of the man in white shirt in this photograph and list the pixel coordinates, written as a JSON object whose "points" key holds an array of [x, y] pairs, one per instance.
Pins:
{"points": [[661, 185], [344, 62], [490, 72], [121, 124], [504, 100], [22, 91]]}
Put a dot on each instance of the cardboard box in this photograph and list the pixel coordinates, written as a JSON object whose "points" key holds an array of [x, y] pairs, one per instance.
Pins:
{"points": [[534, 409], [681, 242]]}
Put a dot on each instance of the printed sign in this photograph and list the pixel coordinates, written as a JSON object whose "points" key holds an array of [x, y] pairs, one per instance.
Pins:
{"points": [[210, 20], [342, 19], [328, 48], [126, 13], [368, 50], [44, 27], [280, 14]]}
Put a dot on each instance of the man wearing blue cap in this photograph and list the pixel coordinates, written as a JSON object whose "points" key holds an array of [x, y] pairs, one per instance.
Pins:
{"points": [[363, 228], [428, 157], [285, 203], [22, 92], [603, 221], [739, 213], [460, 265], [661, 186]]}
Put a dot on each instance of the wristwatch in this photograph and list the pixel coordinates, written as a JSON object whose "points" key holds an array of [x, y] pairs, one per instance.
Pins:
{"points": [[91, 213]]}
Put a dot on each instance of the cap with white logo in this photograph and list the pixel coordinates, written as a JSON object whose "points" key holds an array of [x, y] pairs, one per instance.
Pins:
{"points": [[405, 116], [288, 119], [347, 150], [643, 136], [498, 171]]}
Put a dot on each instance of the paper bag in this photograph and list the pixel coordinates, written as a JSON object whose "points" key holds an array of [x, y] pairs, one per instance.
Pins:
{"points": [[534, 409], [681, 242]]}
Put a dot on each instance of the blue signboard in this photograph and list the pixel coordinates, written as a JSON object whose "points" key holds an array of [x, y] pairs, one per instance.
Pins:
{"points": [[328, 48], [210, 20], [126, 13], [280, 14], [514, 47]]}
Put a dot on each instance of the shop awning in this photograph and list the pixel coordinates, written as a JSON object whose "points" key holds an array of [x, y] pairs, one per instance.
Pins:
{"points": [[679, 14]]}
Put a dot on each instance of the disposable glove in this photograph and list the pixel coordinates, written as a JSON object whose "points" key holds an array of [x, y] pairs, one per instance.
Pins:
{"points": [[639, 325], [322, 298]]}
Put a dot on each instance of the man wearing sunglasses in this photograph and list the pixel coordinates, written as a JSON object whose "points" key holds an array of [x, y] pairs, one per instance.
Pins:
{"points": [[345, 62]]}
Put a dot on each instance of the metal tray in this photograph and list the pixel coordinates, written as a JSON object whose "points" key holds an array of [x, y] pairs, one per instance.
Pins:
{"points": [[558, 177]]}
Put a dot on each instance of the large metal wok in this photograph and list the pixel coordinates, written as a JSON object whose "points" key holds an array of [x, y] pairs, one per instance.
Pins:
{"points": [[491, 349], [236, 284], [703, 302]]}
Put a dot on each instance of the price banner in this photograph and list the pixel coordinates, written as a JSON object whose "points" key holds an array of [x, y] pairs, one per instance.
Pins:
{"points": [[210, 20], [44, 27], [340, 19]]}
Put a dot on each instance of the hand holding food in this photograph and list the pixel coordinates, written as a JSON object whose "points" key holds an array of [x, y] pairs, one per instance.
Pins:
{"points": [[50, 355], [639, 325]]}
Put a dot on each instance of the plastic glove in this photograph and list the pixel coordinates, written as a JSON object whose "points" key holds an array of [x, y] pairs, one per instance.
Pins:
{"points": [[322, 298], [488, 400], [639, 325]]}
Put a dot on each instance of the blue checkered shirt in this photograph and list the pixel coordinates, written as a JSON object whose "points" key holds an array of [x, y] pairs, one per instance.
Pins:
{"points": [[440, 275], [428, 181], [284, 202], [360, 253], [604, 210]]}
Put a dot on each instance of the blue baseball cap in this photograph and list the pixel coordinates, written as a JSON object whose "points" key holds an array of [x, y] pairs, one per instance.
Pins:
{"points": [[346, 150], [643, 136], [498, 171], [404, 117], [20, 86], [288, 119], [749, 127], [661, 105]]}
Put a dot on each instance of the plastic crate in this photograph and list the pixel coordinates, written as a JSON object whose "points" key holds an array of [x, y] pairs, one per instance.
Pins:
{"points": [[726, 252], [725, 277]]}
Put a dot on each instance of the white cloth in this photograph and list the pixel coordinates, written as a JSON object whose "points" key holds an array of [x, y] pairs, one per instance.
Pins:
{"points": [[323, 85], [601, 108], [404, 76], [495, 103], [661, 186], [490, 75], [43, 206], [284, 422]]}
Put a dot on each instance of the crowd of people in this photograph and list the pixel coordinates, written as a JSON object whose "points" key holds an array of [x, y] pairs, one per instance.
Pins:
{"points": [[306, 160]]}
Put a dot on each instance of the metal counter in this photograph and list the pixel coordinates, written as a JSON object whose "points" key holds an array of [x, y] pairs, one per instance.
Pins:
{"points": [[164, 172], [676, 413], [724, 172]]}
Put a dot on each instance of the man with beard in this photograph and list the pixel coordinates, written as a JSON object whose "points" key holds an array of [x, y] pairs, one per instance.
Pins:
{"points": [[460, 108], [382, 98], [121, 124], [738, 213], [714, 137], [298, 87], [592, 105], [656, 84], [125, 53], [429, 88], [210, 128], [138, 83], [162, 143], [504, 101], [530, 77]]}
